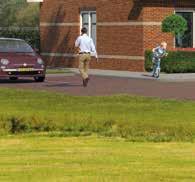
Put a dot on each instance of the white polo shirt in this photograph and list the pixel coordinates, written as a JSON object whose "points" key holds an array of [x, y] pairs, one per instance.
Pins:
{"points": [[86, 45]]}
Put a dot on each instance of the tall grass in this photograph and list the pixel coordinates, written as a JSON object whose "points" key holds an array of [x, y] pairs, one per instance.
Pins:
{"points": [[134, 118]]}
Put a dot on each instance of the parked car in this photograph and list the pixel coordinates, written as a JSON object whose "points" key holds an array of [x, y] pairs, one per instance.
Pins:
{"points": [[18, 59]]}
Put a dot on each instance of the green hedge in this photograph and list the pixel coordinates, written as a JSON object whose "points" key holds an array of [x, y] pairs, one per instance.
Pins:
{"points": [[175, 62], [31, 35]]}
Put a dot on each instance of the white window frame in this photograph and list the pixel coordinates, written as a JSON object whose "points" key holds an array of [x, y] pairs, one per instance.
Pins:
{"points": [[190, 11], [90, 23]]}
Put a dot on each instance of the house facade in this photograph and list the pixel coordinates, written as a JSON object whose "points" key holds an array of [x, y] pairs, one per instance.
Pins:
{"points": [[121, 29]]}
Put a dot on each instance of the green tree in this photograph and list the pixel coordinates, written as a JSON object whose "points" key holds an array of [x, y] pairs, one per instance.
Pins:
{"points": [[174, 24], [28, 16], [18, 13]]}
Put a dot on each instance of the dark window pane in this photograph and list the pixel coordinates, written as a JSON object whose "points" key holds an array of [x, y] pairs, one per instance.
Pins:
{"points": [[93, 27], [186, 40], [93, 18], [85, 18], [93, 33]]}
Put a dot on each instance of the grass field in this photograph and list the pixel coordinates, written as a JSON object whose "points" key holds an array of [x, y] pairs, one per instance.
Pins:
{"points": [[113, 140], [87, 159], [133, 118]]}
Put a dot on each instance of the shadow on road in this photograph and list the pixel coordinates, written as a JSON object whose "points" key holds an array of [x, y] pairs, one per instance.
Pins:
{"points": [[65, 85], [147, 75], [19, 81]]}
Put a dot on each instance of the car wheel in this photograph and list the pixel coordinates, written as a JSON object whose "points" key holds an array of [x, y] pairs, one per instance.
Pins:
{"points": [[13, 78], [39, 79]]}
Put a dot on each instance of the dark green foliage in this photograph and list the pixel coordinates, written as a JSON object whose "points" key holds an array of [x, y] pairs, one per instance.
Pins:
{"points": [[31, 35], [174, 24], [15, 18], [18, 13], [175, 62]]}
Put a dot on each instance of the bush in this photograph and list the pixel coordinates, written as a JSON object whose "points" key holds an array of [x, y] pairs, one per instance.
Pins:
{"points": [[19, 13], [175, 62], [30, 35], [174, 24], [15, 15]]}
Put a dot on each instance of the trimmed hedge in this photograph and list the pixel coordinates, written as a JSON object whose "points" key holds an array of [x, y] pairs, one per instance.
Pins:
{"points": [[30, 35], [175, 62]]}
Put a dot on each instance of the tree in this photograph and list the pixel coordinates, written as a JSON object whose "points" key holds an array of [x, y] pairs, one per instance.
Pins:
{"points": [[174, 24], [18, 13], [28, 16]]}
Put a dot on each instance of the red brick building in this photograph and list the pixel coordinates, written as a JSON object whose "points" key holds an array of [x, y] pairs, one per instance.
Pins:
{"points": [[121, 29]]}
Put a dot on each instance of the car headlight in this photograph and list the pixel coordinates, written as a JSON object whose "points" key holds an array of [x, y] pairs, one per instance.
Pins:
{"points": [[4, 61], [39, 61]]}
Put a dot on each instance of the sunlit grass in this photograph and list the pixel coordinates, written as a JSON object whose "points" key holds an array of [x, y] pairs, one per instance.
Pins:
{"points": [[43, 158], [59, 71]]}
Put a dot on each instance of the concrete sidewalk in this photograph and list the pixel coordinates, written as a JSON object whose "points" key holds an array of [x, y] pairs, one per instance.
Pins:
{"points": [[177, 77]]}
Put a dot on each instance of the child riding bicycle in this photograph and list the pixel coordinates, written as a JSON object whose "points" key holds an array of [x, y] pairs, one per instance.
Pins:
{"points": [[158, 53]]}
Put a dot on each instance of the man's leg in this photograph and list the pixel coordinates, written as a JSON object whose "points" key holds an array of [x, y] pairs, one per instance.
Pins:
{"points": [[86, 67], [81, 66]]}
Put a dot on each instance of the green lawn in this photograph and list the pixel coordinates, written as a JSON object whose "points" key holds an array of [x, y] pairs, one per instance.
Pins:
{"points": [[134, 118], [91, 159], [107, 147], [58, 71]]}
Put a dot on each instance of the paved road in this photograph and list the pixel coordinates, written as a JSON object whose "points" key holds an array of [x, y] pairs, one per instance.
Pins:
{"points": [[107, 85]]}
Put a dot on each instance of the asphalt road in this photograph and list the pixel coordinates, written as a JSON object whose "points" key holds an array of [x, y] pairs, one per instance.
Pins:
{"points": [[107, 85]]}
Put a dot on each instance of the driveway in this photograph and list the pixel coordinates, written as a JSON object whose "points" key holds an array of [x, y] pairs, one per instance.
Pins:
{"points": [[182, 87]]}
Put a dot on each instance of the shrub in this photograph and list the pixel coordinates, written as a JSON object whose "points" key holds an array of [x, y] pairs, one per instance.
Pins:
{"points": [[30, 35], [174, 24], [15, 15], [19, 13], [175, 62]]}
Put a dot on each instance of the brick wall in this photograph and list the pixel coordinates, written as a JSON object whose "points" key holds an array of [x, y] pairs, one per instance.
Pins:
{"points": [[112, 40], [116, 40], [153, 35], [156, 11], [124, 39]]}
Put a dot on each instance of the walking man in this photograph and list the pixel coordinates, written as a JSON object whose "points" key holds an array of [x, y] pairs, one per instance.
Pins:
{"points": [[86, 50]]}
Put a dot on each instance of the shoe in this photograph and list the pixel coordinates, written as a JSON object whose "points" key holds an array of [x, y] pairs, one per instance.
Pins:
{"points": [[87, 80], [84, 83]]}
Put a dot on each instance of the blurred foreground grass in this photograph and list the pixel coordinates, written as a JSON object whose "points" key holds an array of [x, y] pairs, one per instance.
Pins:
{"points": [[98, 159]]}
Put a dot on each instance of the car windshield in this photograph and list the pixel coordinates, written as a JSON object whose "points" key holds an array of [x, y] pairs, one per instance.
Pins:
{"points": [[16, 46]]}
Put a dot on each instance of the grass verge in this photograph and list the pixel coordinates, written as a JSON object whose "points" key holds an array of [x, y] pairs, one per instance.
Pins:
{"points": [[133, 118]]}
